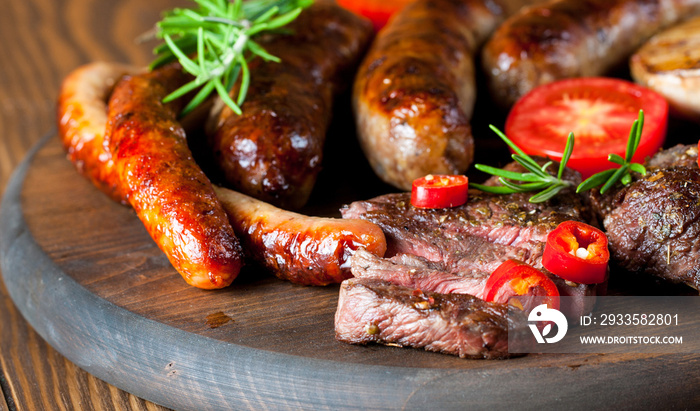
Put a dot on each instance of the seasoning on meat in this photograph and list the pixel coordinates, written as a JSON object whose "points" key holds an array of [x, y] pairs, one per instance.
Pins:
{"points": [[376, 311], [653, 224]]}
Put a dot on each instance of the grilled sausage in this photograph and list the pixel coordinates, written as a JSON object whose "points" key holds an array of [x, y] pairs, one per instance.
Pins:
{"points": [[304, 250], [160, 180], [414, 93], [273, 151], [82, 118], [572, 38]]}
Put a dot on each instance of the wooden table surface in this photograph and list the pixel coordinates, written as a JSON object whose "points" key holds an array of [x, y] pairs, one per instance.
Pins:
{"points": [[43, 40]]}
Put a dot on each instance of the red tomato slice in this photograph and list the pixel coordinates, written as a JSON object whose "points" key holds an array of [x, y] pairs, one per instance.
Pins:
{"points": [[599, 111], [577, 252], [514, 279], [379, 11], [439, 191]]}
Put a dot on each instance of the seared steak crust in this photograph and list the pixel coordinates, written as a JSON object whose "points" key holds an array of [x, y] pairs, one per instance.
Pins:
{"points": [[656, 226], [376, 311], [509, 220], [677, 156], [653, 224]]}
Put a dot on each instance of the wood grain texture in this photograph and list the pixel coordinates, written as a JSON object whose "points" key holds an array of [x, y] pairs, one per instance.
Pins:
{"points": [[42, 41]]}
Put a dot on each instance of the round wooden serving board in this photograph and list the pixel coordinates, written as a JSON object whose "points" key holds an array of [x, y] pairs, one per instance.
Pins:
{"points": [[89, 279]]}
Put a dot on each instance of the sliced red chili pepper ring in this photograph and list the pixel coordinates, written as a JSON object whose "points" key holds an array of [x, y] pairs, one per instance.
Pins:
{"points": [[577, 252], [440, 191], [513, 279]]}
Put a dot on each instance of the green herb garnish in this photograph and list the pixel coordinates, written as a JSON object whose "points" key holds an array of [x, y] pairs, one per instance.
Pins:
{"points": [[537, 177], [215, 42], [608, 178]]}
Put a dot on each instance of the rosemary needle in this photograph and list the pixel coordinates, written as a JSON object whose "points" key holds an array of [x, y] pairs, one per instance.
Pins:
{"points": [[215, 42], [608, 178], [536, 178]]}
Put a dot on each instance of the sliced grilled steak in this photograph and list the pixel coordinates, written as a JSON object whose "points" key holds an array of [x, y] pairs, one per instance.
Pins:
{"points": [[509, 220], [481, 234], [460, 252], [469, 241], [417, 272], [653, 224], [376, 311], [432, 233]]}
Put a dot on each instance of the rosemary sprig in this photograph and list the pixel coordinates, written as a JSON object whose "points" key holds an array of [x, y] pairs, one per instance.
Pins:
{"points": [[537, 177], [608, 178], [214, 43]]}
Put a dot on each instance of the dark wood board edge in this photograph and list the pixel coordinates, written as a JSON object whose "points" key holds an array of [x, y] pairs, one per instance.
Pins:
{"points": [[187, 371], [3, 400]]}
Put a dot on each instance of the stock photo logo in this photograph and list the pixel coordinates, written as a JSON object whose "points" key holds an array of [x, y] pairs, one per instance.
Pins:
{"points": [[542, 313]]}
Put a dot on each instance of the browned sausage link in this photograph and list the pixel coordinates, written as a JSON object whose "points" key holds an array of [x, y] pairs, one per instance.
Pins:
{"points": [[415, 91], [82, 118], [304, 250], [274, 150], [572, 38], [169, 192]]}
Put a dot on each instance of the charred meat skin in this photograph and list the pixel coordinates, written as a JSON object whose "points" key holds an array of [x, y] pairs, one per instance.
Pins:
{"points": [[653, 224], [656, 227], [161, 181], [274, 150], [376, 311], [572, 38], [414, 93], [301, 249]]}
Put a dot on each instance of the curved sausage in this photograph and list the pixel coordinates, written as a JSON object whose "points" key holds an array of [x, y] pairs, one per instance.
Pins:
{"points": [[82, 118], [414, 93], [572, 38], [304, 250], [160, 180], [274, 150]]}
